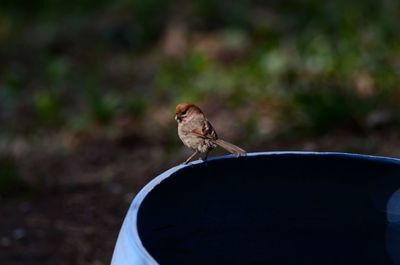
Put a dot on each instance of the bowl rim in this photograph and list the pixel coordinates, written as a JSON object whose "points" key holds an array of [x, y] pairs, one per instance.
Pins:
{"points": [[141, 195]]}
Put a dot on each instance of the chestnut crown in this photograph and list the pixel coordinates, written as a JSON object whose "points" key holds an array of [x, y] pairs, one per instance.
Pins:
{"points": [[183, 109]]}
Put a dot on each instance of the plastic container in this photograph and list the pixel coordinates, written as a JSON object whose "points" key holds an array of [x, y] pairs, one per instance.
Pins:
{"points": [[267, 208]]}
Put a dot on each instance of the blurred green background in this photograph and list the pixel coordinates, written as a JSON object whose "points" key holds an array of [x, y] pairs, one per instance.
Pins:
{"points": [[88, 90]]}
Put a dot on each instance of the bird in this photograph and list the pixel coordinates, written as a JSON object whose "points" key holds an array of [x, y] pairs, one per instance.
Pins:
{"points": [[197, 133]]}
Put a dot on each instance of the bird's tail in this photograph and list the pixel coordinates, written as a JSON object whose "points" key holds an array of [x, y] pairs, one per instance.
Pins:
{"points": [[231, 148]]}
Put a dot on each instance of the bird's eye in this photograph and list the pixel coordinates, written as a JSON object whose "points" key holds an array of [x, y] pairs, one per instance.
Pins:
{"points": [[183, 113]]}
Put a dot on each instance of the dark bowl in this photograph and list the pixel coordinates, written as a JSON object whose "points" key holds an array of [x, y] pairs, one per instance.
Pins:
{"points": [[268, 208]]}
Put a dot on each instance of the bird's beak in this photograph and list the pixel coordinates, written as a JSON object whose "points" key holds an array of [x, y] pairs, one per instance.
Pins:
{"points": [[177, 118]]}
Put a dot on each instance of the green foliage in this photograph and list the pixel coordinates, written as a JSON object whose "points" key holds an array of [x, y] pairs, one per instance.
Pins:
{"points": [[47, 106], [136, 106], [214, 14], [101, 108], [323, 63], [328, 107], [57, 71], [148, 20], [188, 80]]}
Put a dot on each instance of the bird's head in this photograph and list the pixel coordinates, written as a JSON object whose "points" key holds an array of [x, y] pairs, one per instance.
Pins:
{"points": [[183, 110]]}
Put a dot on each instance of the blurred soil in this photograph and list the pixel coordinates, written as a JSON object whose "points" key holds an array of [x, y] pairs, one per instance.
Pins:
{"points": [[77, 221]]}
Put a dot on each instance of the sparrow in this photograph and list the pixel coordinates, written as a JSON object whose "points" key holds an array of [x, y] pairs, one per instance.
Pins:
{"points": [[197, 133]]}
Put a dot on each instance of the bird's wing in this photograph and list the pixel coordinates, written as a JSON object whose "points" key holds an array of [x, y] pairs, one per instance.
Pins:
{"points": [[206, 131]]}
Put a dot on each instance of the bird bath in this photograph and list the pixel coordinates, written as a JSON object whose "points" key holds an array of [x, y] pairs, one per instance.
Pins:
{"points": [[267, 208]]}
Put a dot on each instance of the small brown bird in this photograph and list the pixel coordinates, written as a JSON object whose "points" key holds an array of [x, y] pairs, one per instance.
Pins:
{"points": [[197, 133]]}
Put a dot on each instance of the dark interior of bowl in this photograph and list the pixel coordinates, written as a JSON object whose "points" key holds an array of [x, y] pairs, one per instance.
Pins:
{"points": [[274, 209]]}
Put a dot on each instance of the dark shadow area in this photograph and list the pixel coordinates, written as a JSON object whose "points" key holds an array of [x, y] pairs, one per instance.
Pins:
{"points": [[280, 209]]}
